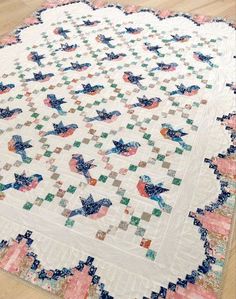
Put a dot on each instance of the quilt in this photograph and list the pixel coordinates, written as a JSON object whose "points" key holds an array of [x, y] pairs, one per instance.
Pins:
{"points": [[117, 151]]}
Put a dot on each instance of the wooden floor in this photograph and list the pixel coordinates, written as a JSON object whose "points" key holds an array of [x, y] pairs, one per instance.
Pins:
{"points": [[12, 13]]}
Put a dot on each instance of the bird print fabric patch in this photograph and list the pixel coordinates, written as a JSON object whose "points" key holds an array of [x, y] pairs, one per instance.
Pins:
{"points": [[117, 142]]}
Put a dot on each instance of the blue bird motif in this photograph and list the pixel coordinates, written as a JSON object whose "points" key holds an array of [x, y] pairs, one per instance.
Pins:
{"points": [[52, 102], [89, 23], [146, 103], [23, 183], [154, 49], [203, 58], [167, 67], [183, 90], [9, 114], [124, 149], [168, 132], [89, 89], [62, 32], [40, 77], [129, 77], [18, 146], [103, 115], [177, 38], [92, 209], [113, 56], [75, 66], [35, 57], [61, 130], [78, 165], [67, 48], [5, 88], [132, 30], [105, 40], [153, 191], [232, 86]]}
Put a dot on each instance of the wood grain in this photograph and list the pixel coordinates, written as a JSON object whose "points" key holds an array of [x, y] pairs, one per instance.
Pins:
{"points": [[12, 13]]}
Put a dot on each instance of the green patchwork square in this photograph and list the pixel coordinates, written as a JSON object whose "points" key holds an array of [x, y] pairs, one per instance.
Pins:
{"points": [[49, 197], [104, 135], [63, 203], [69, 222], [151, 254], [19, 96], [163, 88], [80, 108], [34, 115], [39, 127], [98, 145], [156, 212], [77, 144], [46, 118], [160, 157], [48, 154], [103, 178], [178, 151], [130, 127], [124, 201], [176, 181], [134, 220], [151, 142], [120, 95], [189, 121], [176, 104], [28, 205], [71, 189], [133, 167], [209, 86], [146, 136]]}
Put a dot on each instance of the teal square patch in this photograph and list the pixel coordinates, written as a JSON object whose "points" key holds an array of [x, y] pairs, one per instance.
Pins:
{"points": [[124, 201], [69, 223], [28, 205], [151, 254], [49, 197], [134, 220], [176, 181]]}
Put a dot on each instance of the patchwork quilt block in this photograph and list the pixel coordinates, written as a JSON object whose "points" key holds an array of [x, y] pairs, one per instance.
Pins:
{"points": [[117, 142]]}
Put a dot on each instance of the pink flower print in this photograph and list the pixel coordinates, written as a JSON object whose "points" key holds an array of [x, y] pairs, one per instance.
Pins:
{"points": [[201, 19], [164, 13], [8, 39], [31, 21], [131, 8], [99, 3]]}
